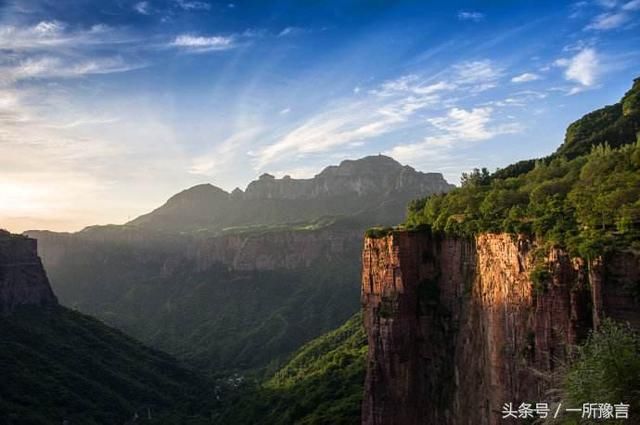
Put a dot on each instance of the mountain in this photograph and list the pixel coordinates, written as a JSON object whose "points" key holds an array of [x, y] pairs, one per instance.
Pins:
{"points": [[236, 281], [375, 186], [614, 125], [59, 365], [321, 384], [516, 287]]}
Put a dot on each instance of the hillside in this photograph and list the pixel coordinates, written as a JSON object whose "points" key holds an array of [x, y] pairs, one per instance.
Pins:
{"points": [[613, 125], [321, 384], [58, 364], [588, 203]]}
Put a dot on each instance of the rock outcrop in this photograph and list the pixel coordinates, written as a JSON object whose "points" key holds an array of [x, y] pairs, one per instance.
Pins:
{"points": [[375, 189], [370, 175], [456, 327], [23, 280]]}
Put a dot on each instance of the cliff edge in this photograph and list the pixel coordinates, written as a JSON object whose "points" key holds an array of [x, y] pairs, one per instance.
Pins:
{"points": [[457, 327], [23, 280]]}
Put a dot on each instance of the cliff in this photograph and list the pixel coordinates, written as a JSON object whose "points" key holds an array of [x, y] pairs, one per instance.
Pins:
{"points": [[248, 251], [456, 327], [237, 301], [23, 280]]}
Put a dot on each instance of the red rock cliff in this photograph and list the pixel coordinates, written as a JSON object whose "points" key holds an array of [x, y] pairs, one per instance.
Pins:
{"points": [[456, 327], [23, 280]]}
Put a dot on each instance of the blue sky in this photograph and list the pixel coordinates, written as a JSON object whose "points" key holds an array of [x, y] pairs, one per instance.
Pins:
{"points": [[109, 107]]}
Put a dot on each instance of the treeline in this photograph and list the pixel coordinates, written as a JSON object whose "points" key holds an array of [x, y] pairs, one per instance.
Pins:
{"points": [[588, 204]]}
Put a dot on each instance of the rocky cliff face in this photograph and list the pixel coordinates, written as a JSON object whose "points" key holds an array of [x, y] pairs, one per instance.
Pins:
{"points": [[370, 175], [23, 280], [251, 251], [457, 327]]}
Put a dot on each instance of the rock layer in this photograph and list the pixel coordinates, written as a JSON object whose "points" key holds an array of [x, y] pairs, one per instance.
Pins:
{"points": [[23, 280], [456, 327]]}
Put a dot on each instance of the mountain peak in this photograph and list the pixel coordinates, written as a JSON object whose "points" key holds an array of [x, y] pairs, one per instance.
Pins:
{"points": [[206, 190], [352, 187]]}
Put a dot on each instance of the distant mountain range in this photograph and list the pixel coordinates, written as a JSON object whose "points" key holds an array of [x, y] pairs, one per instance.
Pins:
{"points": [[377, 187], [236, 281]]}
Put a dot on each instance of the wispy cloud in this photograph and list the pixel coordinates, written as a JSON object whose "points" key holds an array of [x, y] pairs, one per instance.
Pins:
{"points": [[479, 75], [142, 8], [291, 31], [607, 21], [583, 68], [525, 77], [618, 15], [469, 125], [391, 106], [56, 67], [631, 6], [193, 5], [222, 155], [48, 35], [466, 15], [54, 49], [196, 43], [457, 127]]}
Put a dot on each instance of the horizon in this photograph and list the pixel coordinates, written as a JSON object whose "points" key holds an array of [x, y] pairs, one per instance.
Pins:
{"points": [[107, 110]]}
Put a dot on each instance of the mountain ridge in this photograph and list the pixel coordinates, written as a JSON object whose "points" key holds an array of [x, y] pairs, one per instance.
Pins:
{"points": [[349, 188]]}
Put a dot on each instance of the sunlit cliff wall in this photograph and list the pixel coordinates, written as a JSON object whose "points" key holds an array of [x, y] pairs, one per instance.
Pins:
{"points": [[456, 327]]}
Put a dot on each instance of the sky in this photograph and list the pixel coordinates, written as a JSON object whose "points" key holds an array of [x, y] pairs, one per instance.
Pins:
{"points": [[109, 107]]}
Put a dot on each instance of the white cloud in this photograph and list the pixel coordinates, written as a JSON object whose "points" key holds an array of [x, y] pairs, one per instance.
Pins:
{"points": [[457, 127], [56, 67], [470, 16], [347, 125], [583, 68], [481, 75], [290, 31], [203, 44], [470, 125], [607, 21], [410, 84], [526, 77], [142, 8], [632, 5], [617, 15], [609, 4], [48, 35], [285, 111], [193, 5]]}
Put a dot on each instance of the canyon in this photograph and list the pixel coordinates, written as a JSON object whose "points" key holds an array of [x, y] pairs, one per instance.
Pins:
{"points": [[239, 280], [457, 327]]}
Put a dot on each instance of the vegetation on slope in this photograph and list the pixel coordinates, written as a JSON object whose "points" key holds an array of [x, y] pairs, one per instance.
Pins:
{"points": [[615, 125], [215, 319], [322, 384], [606, 369], [56, 365], [587, 204], [585, 197]]}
